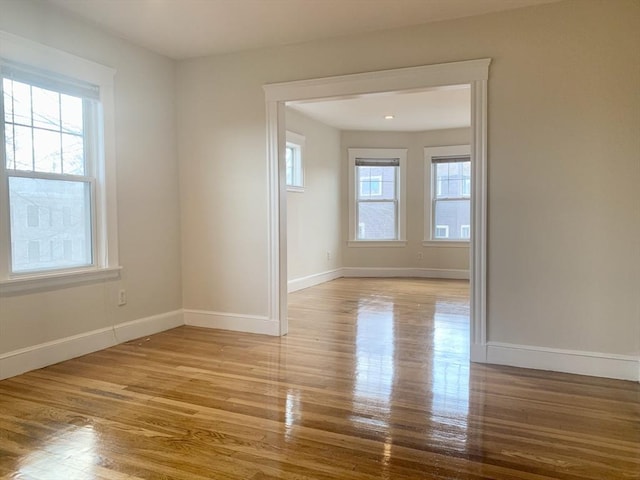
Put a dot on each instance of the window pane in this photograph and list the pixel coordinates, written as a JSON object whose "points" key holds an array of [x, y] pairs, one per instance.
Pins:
{"points": [[63, 239], [46, 108], [453, 180], [72, 154], [21, 103], [23, 145], [46, 150], [376, 183], [8, 146], [289, 165], [71, 114], [453, 214], [376, 221], [7, 88]]}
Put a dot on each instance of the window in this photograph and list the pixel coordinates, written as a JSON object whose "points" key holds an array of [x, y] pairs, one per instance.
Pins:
{"points": [[49, 164], [53, 170], [448, 191], [442, 231], [376, 200], [294, 174]]}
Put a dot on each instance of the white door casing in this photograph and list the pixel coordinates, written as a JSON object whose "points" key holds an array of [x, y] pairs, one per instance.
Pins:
{"points": [[472, 72]]}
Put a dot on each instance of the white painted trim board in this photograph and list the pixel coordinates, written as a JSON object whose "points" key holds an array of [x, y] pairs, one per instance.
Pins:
{"points": [[623, 367], [231, 321], [312, 280], [48, 353], [405, 272]]}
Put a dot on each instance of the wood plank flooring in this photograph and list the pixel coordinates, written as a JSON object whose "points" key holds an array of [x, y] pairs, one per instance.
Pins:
{"points": [[373, 382]]}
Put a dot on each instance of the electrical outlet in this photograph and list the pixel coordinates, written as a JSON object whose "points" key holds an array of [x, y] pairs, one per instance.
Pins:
{"points": [[328, 255], [122, 297], [420, 256]]}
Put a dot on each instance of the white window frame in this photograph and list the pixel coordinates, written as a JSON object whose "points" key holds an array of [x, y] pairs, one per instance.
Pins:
{"points": [[466, 228], [430, 239], [56, 62], [297, 142], [401, 182]]}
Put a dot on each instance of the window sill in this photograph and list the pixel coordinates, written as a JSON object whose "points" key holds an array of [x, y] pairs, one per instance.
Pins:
{"points": [[447, 243], [377, 243], [291, 188], [49, 281]]}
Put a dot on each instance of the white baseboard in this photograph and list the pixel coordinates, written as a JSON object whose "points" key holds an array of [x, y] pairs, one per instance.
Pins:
{"points": [[595, 364], [311, 280], [148, 326], [405, 272], [39, 356], [231, 321]]}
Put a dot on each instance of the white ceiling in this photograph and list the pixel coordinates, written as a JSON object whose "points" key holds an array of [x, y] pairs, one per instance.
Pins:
{"points": [[433, 109], [190, 28]]}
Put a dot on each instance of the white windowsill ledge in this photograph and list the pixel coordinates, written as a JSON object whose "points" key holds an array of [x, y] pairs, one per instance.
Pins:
{"points": [[377, 243], [49, 281], [292, 188], [446, 243]]}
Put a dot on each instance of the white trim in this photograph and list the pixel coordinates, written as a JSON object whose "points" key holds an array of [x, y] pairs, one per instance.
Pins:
{"points": [[231, 321], [405, 272], [596, 364], [39, 356], [307, 281], [377, 243], [446, 243], [478, 251], [26, 283], [399, 79], [473, 72]]}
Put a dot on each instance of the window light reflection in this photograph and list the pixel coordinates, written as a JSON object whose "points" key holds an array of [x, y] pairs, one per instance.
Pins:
{"points": [[451, 375], [71, 455], [375, 367]]}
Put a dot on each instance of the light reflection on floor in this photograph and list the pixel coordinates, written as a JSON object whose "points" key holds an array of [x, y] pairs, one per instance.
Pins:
{"points": [[70, 456], [378, 366]]}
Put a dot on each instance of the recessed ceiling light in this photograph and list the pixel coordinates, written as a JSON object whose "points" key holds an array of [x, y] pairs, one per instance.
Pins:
{"points": [[389, 117]]}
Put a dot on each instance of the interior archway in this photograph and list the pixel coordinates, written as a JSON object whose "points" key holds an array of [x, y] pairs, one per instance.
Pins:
{"points": [[474, 73]]}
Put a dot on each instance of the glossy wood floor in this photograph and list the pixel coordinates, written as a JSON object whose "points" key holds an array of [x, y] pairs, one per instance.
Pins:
{"points": [[372, 382]]}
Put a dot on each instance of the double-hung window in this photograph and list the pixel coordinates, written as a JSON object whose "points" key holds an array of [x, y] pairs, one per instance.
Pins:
{"points": [[377, 195], [49, 148], [53, 174], [450, 193]]}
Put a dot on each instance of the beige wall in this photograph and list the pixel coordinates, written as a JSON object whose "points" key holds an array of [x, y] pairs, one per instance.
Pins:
{"points": [[147, 187], [440, 258], [564, 150], [314, 216]]}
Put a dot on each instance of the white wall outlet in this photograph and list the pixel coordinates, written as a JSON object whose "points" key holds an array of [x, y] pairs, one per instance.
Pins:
{"points": [[328, 255], [122, 297]]}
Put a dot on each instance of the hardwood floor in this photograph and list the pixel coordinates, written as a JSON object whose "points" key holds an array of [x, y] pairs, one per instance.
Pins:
{"points": [[373, 382]]}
